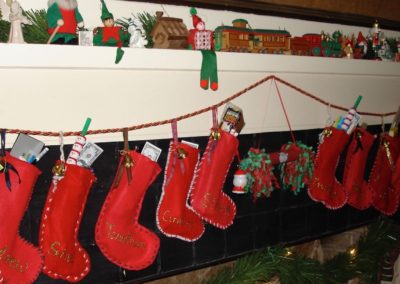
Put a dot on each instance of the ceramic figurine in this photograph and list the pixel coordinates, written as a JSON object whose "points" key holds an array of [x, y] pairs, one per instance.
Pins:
{"points": [[137, 39], [17, 19]]}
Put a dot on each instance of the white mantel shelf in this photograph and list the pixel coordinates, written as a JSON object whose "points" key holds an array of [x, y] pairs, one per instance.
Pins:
{"points": [[83, 57], [56, 87]]}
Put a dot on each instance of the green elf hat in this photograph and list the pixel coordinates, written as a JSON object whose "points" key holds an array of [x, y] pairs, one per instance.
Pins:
{"points": [[105, 14]]}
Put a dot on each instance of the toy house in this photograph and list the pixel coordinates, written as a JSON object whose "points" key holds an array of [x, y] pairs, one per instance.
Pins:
{"points": [[170, 33]]}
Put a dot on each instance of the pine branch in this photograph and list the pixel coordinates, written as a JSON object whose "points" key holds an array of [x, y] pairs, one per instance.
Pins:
{"points": [[4, 30], [37, 32], [360, 261]]}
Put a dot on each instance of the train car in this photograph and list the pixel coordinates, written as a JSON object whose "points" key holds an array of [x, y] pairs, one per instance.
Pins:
{"points": [[299, 46], [240, 38], [321, 45]]}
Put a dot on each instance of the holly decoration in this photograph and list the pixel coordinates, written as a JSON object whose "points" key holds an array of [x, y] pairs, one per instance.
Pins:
{"points": [[261, 180], [297, 174]]}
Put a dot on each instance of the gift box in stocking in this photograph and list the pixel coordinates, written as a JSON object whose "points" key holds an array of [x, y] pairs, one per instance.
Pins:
{"points": [[175, 217], [358, 194], [324, 186], [64, 257], [119, 235], [208, 198], [20, 261], [384, 197]]}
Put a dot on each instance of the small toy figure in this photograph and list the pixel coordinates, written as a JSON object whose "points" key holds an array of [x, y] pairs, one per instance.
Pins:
{"points": [[109, 34], [63, 18], [239, 181], [137, 40], [385, 53], [376, 37], [348, 49], [361, 46], [17, 19], [202, 39], [398, 51]]}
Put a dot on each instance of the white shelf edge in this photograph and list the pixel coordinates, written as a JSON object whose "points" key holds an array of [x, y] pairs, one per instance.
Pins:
{"points": [[37, 56]]}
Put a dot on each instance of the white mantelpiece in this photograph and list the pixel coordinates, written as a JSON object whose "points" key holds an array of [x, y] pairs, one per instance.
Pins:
{"points": [[55, 88]]}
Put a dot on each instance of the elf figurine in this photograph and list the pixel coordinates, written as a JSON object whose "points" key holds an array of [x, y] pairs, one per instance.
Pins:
{"points": [[109, 34], [202, 39], [63, 18]]}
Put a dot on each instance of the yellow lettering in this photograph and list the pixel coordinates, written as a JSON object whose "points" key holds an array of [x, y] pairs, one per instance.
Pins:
{"points": [[11, 261], [174, 220], [125, 239], [57, 251]]}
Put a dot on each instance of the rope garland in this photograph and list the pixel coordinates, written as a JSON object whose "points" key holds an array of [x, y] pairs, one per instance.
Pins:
{"points": [[195, 113]]}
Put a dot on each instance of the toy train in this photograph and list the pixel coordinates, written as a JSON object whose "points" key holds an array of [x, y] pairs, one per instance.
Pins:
{"points": [[241, 38]]}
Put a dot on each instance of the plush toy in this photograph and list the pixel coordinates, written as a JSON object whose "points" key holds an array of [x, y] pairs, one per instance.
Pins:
{"points": [[109, 34], [202, 39], [63, 18]]}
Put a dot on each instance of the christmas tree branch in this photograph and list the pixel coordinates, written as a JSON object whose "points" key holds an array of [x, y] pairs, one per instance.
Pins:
{"points": [[360, 261]]}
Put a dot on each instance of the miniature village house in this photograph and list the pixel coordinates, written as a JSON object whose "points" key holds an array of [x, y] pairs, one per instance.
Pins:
{"points": [[169, 33]]}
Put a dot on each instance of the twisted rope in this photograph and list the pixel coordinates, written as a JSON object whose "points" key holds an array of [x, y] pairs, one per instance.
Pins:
{"points": [[195, 113]]}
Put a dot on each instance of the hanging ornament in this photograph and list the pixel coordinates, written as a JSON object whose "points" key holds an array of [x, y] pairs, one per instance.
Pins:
{"points": [[296, 172], [239, 181], [261, 180]]}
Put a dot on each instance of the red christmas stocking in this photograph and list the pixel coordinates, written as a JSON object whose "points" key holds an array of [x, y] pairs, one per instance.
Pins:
{"points": [[119, 235], [358, 194], [20, 261], [207, 198], [396, 176], [175, 218], [324, 186], [384, 197], [64, 257]]}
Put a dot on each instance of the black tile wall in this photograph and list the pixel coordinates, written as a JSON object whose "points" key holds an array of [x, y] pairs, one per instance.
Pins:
{"points": [[281, 218], [239, 236], [204, 252], [266, 229]]}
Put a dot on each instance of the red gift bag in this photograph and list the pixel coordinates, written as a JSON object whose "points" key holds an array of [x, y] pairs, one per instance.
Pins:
{"points": [[64, 256], [175, 217], [358, 194], [20, 261], [324, 186], [207, 198], [384, 197], [119, 235]]}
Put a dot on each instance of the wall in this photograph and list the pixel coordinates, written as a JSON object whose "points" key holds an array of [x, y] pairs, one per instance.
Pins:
{"points": [[56, 87], [283, 218]]}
